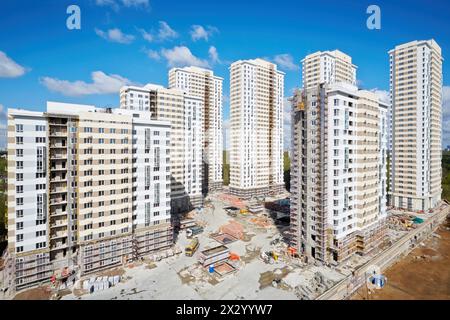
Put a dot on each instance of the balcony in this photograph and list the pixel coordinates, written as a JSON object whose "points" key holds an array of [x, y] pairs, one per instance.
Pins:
{"points": [[58, 145], [59, 224], [58, 133], [58, 201], [58, 235], [58, 246], [58, 178], [54, 212], [58, 156], [58, 190]]}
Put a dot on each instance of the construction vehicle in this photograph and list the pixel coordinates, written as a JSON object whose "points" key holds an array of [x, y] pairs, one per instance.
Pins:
{"points": [[193, 231], [244, 211], [192, 247]]}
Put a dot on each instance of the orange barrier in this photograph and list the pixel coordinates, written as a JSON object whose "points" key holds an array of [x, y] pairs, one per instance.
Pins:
{"points": [[234, 257]]}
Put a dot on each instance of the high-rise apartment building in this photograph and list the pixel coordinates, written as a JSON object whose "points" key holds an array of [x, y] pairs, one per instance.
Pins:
{"points": [[328, 67], [416, 97], [88, 189], [338, 175], [256, 155], [203, 84], [185, 113]]}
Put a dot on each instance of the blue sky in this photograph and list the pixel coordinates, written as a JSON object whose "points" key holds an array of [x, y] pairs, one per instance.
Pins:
{"points": [[137, 41]]}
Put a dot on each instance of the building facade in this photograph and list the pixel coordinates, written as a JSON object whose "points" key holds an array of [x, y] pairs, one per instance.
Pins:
{"points": [[75, 200], [338, 177], [256, 126], [416, 97], [327, 67], [185, 113], [203, 84]]}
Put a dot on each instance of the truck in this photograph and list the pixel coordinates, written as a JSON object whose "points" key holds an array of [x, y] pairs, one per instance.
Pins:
{"points": [[193, 231], [192, 247], [214, 255]]}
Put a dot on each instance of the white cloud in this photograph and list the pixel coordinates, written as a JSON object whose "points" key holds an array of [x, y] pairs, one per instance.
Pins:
{"points": [[105, 2], [166, 32], [115, 35], [136, 3], [9, 68], [152, 54], [199, 32], [383, 95], [286, 62], [115, 4], [147, 35], [181, 56], [213, 55], [101, 84]]}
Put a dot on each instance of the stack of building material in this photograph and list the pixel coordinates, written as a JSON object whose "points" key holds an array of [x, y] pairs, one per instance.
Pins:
{"points": [[234, 229], [101, 283]]}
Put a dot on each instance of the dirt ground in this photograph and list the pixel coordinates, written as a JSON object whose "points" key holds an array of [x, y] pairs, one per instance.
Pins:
{"points": [[422, 275], [41, 293]]}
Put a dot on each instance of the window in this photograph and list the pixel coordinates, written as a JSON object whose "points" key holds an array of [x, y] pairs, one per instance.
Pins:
{"points": [[40, 204], [157, 195], [40, 245], [19, 140], [157, 158], [19, 165], [19, 152], [19, 189], [147, 176], [19, 201], [19, 225], [40, 233], [19, 177], [41, 159], [19, 127]]}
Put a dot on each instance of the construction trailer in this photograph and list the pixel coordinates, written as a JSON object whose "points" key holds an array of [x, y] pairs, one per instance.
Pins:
{"points": [[193, 231], [214, 255]]}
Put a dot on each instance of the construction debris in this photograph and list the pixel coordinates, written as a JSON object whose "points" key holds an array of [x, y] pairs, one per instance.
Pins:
{"points": [[262, 222], [234, 229], [224, 238], [224, 269], [231, 200], [401, 222]]}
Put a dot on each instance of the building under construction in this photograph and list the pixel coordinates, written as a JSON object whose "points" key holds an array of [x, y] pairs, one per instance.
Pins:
{"points": [[338, 175], [89, 189]]}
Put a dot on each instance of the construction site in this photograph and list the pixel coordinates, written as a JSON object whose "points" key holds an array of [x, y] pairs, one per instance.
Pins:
{"points": [[234, 249]]}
